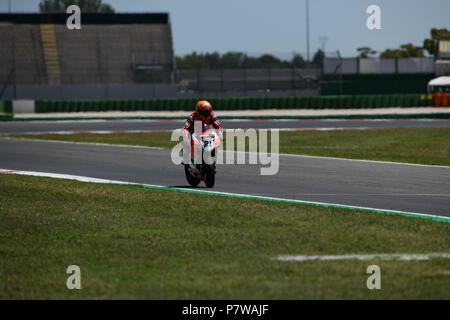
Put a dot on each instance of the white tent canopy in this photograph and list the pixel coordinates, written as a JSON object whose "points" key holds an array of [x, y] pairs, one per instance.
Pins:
{"points": [[440, 82]]}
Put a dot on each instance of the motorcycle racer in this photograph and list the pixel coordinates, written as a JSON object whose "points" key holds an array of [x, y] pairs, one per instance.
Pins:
{"points": [[203, 112]]}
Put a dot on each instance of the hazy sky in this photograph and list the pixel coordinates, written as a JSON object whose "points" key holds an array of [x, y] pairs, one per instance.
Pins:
{"points": [[259, 26]]}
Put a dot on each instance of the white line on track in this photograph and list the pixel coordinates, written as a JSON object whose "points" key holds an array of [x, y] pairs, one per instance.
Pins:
{"points": [[76, 132], [382, 256], [238, 195], [88, 143], [61, 176], [365, 161]]}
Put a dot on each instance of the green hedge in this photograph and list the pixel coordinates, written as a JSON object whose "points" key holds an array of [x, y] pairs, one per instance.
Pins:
{"points": [[6, 106], [316, 102], [6, 110]]}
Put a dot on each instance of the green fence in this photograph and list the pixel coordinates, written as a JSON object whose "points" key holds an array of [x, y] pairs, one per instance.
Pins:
{"points": [[317, 102], [5, 110], [360, 84], [6, 106]]}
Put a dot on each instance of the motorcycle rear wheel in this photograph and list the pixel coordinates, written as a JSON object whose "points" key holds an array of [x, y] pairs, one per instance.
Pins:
{"points": [[210, 175]]}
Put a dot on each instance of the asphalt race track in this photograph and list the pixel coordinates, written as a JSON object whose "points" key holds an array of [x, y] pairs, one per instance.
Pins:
{"points": [[412, 188], [18, 127]]}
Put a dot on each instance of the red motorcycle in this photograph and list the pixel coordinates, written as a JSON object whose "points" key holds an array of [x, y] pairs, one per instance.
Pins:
{"points": [[202, 164]]}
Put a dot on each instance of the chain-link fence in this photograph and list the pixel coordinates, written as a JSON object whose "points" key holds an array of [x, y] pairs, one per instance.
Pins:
{"points": [[247, 73], [248, 79]]}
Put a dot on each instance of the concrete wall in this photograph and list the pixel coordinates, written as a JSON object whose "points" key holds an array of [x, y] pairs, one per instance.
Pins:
{"points": [[104, 54], [20, 47], [90, 92], [378, 66]]}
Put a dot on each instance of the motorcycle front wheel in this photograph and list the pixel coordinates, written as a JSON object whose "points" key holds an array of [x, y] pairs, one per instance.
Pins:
{"points": [[193, 181]]}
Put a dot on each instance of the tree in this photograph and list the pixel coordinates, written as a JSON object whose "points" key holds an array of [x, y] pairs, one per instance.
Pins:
{"points": [[365, 52], [192, 61], [298, 61], [212, 60], [251, 62], [405, 51], [238, 60], [318, 58], [431, 44], [270, 61], [232, 60], [60, 6]]}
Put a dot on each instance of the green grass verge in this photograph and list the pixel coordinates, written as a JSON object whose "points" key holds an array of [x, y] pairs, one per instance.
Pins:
{"points": [[133, 242], [411, 145]]}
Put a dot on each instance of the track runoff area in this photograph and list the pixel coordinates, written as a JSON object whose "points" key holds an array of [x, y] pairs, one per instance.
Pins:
{"points": [[419, 192], [315, 188]]}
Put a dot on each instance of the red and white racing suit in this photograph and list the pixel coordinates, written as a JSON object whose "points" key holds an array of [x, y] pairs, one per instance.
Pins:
{"points": [[213, 121], [188, 130]]}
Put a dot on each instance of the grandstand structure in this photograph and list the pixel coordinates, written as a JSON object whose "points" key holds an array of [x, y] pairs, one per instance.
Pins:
{"points": [[442, 65], [40, 54]]}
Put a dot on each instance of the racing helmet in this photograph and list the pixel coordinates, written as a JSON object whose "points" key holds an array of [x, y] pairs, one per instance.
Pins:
{"points": [[203, 109]]}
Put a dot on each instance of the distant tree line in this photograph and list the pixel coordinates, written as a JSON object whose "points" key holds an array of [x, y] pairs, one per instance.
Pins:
{"points": [[239, 60], [405, 51], [409, 50], [60, 6]]}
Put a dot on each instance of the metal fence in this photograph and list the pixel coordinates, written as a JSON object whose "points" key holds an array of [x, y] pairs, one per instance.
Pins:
{"points": [[248, 79], [378, 65]]}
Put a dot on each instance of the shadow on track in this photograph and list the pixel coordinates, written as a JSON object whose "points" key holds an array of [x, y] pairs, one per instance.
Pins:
{"points": [[188, 187]]}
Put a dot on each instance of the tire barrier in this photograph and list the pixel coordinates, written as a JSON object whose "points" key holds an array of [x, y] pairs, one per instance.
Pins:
{"points": [[441, 99], [252, 103]]}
